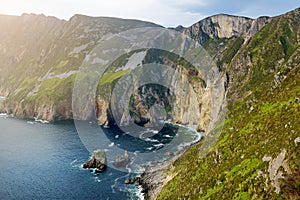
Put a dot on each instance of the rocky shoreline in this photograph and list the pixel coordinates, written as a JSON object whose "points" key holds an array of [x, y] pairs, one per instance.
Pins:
{"points": [[153, 179]]}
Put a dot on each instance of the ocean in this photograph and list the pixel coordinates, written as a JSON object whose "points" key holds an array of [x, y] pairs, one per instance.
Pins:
{"points": [[43, 161]]}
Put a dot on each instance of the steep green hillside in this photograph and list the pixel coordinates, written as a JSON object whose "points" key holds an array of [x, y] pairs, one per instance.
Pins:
{"points": [[257, 156]]}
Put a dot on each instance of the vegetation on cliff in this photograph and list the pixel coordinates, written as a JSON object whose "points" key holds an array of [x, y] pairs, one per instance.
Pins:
{"points": [[257, 156], [40, 56]]}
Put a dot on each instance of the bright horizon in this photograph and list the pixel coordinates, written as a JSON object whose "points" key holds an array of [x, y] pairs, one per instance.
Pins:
{"points": [[164, 12]]}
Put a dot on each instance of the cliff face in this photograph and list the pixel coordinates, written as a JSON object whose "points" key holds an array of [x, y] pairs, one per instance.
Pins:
{"points": [[44, 54], [181, 94], [181, 105], [225, 26], [40, 57], [258, 63]]}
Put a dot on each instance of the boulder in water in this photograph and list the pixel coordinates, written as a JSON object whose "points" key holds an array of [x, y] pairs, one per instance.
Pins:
{"points": [[97, 161]]}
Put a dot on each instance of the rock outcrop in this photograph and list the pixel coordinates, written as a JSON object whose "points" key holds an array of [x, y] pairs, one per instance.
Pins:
{"points": [[122, 161], [97, 161]]}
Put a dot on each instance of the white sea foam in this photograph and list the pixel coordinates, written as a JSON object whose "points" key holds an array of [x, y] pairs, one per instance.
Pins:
{"points": [[41, 121], [152, 131], [139, 193], [158, 145], [128, 169], [73, 162], [167, 136], [149, 140], [111, 144], [150, 148]]}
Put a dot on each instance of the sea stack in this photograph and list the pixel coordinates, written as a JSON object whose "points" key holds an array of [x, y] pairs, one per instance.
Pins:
{"points": [[97, 161], [122, 161]]}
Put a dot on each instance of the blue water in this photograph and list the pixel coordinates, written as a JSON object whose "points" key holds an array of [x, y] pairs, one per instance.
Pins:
{"points": [[43, 161]]}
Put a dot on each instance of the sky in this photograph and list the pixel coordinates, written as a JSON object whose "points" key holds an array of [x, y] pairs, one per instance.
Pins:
{"points": [[168, 13]]}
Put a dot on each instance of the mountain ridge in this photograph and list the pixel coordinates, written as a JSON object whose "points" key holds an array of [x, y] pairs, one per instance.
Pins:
{"points": [[260, 58]]}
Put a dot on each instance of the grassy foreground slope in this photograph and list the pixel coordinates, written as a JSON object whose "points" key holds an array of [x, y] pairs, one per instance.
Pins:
{"points": [[257, 155]]}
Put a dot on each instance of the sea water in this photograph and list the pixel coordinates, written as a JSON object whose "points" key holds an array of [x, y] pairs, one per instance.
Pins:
{"points": [[44, 160]]}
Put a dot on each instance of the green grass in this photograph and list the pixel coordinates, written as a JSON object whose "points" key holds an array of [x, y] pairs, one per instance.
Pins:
{"points": [[62, 64], [230, 53], [109, 77], [99, 154], [230, 170], [237, 176]]}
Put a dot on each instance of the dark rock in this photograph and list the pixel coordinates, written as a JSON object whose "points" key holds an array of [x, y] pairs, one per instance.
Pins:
{"points": [[97, 162], [133, 180]]}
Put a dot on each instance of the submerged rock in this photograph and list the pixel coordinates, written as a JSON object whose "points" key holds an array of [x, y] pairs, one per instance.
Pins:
{"points": [[97, 161]]}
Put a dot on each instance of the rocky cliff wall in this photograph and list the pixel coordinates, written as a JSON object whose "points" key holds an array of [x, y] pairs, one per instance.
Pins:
{"points": [[225, 26], [43, 83], [39, 58]]}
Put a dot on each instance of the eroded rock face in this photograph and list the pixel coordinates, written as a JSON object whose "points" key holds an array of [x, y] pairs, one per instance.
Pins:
{"points": [[195, 105], [190, 101], [102, 108], [44, 111], [274, 173], [225, 26]]}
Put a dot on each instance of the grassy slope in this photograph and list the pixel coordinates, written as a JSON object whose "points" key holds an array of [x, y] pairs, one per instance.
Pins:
{"points": [[109, 77], [230, 170]]}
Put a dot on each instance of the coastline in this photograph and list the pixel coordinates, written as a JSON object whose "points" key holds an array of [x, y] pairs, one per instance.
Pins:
{"points": [[153, 179]]}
